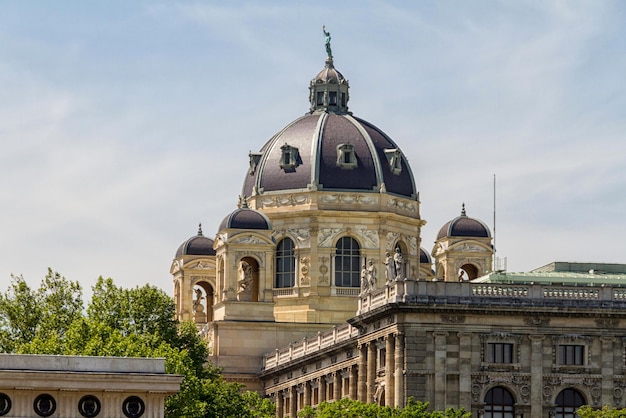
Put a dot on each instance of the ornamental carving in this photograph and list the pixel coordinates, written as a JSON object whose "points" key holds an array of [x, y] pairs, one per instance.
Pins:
{"points": [[412, 245], [403, 205], [470, 248], [519, 382], [369, 238], [348, 199], [305, 269], [202, 266], [391, 239], [277, 201], [453, 319], [326, 236], [607, 323], [323, 270], [259, 256], [536, 321], [249, 239]]}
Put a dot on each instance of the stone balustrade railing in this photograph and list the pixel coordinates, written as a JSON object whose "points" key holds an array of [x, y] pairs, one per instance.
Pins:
{"points": [[309, 345], [411, 291]]}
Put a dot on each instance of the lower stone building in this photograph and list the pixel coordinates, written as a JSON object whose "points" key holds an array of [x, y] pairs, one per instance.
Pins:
{"points": [[497, 349], [81, 386]]}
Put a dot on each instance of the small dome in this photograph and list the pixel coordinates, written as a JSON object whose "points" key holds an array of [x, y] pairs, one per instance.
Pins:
{"points": [[196, 245], [245, 218], [425, 257], [464, 226]]}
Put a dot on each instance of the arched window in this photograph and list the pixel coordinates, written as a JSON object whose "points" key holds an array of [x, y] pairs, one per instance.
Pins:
{"points": [[285, 264], [567, 402], [499, 403], [347, 258]]}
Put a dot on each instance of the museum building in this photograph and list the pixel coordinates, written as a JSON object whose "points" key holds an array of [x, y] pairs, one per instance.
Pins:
{"points": [[316, 287]]}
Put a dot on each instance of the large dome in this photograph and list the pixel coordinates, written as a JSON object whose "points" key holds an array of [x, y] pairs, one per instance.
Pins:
{"points": [[330, 149], [464, 226]]}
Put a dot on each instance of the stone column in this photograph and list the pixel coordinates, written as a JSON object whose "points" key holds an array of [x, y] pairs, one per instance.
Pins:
{"points": [[465, 370], [280, 404], [536, 375], [440, 369], [607, 370], [293, 402], [307, 393], [322, 389], [399, 373], [354, 375], [362, 389], [371, 371], [389, 369], [337, 385]]}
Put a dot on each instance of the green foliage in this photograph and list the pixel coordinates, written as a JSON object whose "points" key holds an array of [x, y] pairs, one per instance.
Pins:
{"points": [[347, 408], [606, 412], [126, 323]]}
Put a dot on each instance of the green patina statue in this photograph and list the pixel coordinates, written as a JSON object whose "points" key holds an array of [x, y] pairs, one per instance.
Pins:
{"points": [[328, 50]]}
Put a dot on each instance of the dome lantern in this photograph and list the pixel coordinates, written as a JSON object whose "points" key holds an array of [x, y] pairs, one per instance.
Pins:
{"points": [[328, 91]]}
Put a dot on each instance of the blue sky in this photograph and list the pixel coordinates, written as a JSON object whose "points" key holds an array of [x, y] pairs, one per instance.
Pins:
{"points": [[124, 124]]}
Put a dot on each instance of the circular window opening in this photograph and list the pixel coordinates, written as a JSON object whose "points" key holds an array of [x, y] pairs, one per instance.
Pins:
{"points": [[44, 405], [5, 404], [133, 407], [89, 406]]}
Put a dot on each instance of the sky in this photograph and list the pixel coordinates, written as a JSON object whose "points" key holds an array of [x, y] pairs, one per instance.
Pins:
{"points": [[125, 124]]}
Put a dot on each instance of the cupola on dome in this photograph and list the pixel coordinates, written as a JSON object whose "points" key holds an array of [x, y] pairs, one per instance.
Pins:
{"points": [[196, 245], [464, 226], [245, 218]]}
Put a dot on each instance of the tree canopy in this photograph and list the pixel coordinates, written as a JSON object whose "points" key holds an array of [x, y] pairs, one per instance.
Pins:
{"points": [[606, 412], [122, 322], [347, 408]]}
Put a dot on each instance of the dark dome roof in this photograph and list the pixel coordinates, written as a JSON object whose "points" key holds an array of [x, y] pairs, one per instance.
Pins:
{"points": [[196, 245], [330, 149], [464, 226], [425, 258], [245, 218]]}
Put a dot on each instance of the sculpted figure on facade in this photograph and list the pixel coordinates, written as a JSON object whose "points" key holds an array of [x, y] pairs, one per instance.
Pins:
{"points": [[244, 292], [398, 261], [390, 267]]}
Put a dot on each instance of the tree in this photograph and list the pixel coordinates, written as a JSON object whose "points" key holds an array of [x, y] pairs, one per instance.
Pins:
{"points": [[134, 322], [347, 408], [606, 412]]}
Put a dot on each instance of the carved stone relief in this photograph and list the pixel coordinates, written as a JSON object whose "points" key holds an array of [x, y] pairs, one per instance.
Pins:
{"points": [[323, 269], [249, 239], [305, 270], [369, 237], [326, 236]]}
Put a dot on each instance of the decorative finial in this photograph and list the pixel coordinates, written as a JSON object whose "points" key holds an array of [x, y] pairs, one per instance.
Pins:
{"points": [[243, 203], [329, 51], [463, 210], [200, 229]]}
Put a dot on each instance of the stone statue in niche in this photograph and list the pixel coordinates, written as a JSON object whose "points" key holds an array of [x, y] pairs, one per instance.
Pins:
{"points": [[244, 291], [390, 267], [398, 261], [198, 308]]}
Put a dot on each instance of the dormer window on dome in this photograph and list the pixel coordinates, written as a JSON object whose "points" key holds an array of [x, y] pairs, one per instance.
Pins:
{"points": [[394, 158], [255, 157], [346, 156], [290, 157]]}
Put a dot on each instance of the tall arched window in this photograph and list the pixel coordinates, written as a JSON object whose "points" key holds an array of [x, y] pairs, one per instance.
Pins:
{"points": [[567, 402], [347, 258], [285, 264], [499, 403]]}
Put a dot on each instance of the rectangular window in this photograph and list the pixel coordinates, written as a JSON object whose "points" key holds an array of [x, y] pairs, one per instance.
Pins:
{"points": [[571, 355], [320, 98], [500, 352], [332, 98]]}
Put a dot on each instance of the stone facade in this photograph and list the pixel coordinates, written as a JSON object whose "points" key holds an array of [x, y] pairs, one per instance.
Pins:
{"points": [[464, 345], [73, 386]]}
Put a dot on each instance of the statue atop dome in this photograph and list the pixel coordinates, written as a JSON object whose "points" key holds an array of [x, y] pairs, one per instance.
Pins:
{"points": [[328, 38]]}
